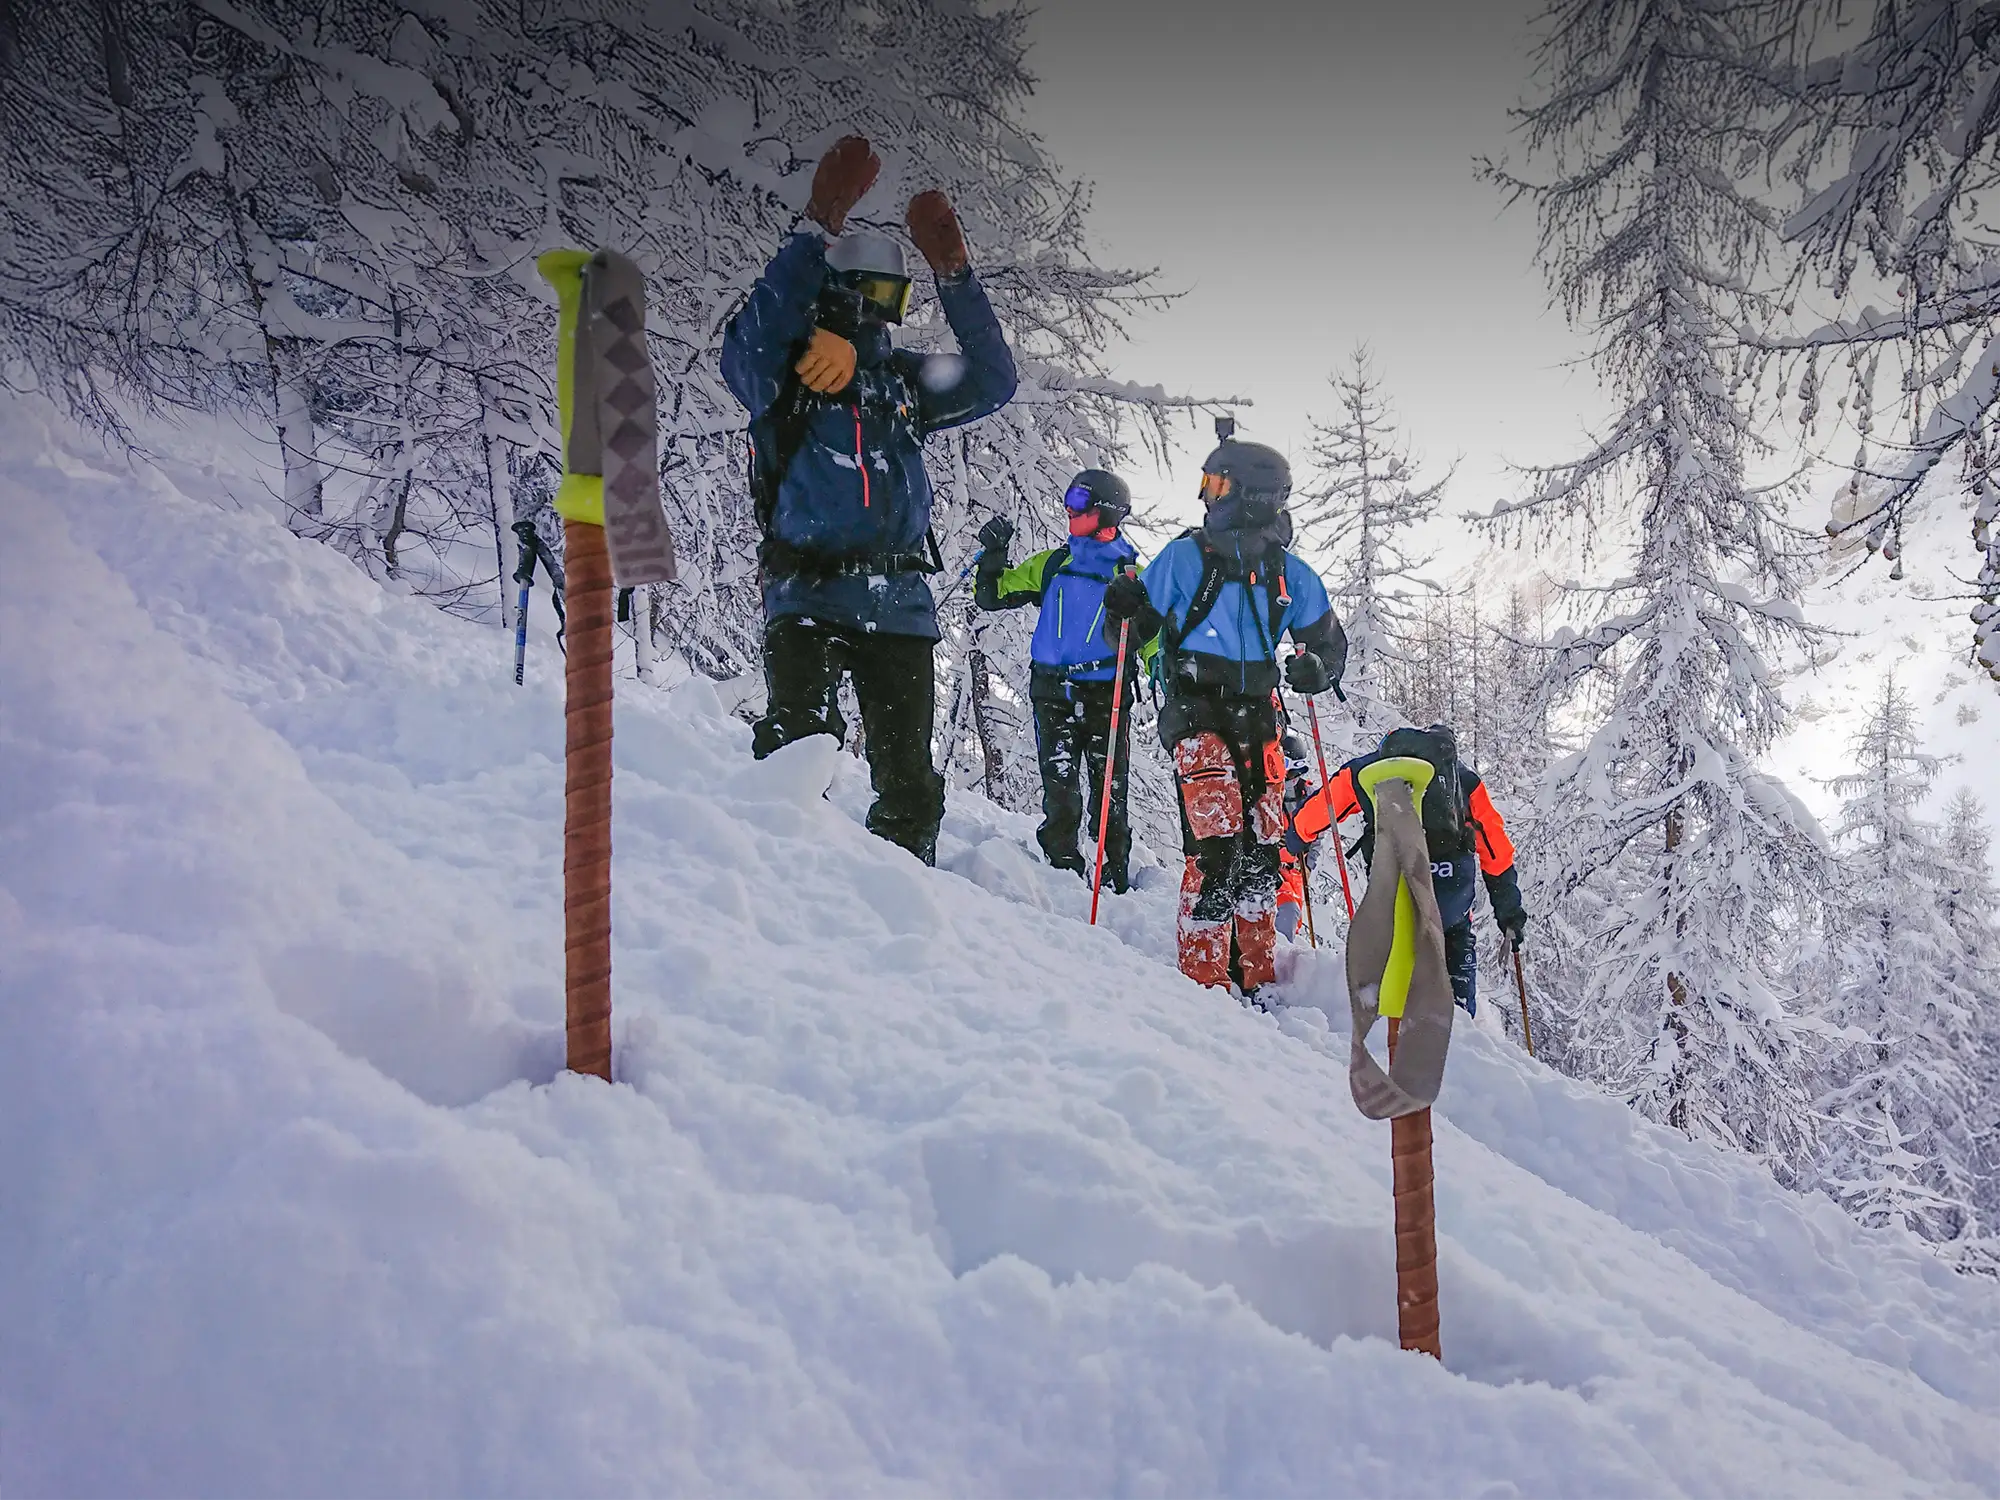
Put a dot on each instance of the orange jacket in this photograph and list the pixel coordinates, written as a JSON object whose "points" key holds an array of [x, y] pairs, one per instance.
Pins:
{"points": [[1489, 833], [1291, 883]]}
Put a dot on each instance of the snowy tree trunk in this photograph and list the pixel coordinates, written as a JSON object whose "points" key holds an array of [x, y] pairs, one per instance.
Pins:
{"points": [[643, 610], [500, 501], [291, 399], [981, 688], [406, 443], [298, 445]]}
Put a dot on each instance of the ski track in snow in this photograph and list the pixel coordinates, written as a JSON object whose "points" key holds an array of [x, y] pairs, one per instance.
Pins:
{"points": [[911, 1183]]}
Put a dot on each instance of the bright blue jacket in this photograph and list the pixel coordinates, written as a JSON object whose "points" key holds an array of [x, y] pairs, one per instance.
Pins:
{"points": [[1068, 582], [1238, 629], [857, 489]]}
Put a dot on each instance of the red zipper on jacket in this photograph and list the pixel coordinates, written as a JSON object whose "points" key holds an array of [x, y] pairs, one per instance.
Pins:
{"points": [[860, 458]]}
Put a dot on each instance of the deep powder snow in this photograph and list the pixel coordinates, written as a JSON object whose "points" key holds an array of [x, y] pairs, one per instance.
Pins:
{"points": [[911, 1182]]}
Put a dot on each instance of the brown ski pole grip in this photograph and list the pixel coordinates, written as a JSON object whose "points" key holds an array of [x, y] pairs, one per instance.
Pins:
{"points": [[587, 800], [1416, 1233]]}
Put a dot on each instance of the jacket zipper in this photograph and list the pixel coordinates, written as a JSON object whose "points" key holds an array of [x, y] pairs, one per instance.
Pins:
{"points": [[860, 458]]}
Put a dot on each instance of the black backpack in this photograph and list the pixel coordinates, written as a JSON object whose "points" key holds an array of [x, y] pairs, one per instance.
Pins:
{"points": [[1447, 818], [1216, 570]]}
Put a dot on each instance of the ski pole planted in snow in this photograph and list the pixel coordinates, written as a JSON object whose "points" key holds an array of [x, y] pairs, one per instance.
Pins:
{"points": [[1110, 765], [1396, 970], [614, 535], [1521, 985], [1326, 791], [525, 576], [1306, 890]]}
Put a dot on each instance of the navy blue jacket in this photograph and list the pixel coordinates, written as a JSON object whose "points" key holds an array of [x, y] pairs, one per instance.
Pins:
{"points": [[857, 488]]}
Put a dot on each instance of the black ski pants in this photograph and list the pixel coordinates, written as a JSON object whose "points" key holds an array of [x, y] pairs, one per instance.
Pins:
{"points": [[1461, 961], [895, 681], [1071, 733]]}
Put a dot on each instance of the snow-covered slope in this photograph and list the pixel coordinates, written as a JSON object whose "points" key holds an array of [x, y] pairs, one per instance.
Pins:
{"points": [[911, 1183]]}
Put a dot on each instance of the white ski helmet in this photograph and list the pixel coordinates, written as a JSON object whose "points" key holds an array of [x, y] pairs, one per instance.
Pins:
{"points": [[871, 265], [866, 252]]}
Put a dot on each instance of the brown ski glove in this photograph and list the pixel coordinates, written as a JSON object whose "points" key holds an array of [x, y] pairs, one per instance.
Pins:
{"points": [[844, 175], [934, 230], [828, 363]]}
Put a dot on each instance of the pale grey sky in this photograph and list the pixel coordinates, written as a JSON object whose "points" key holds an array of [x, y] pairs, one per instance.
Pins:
{"points": [[1304, 173]]}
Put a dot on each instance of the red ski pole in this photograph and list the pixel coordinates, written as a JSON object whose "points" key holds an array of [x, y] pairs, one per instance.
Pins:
{"points": [[1110, 767], [1332, 827]]}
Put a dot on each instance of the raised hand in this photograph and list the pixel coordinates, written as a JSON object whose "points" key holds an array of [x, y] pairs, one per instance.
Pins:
{"points": [[934, 231], [843, 176]]}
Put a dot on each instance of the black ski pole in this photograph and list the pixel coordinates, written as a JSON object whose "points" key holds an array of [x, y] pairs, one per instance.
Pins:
{"points": [[524, 574]]}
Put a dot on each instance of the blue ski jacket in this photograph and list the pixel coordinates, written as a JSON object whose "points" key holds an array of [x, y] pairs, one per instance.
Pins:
{"points": [[1071, 643], [856, 492], [1236, 633]]}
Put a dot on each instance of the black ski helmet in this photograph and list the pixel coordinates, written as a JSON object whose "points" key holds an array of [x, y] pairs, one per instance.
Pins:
{"points": [[1257, 473], [1102, 491], [1296, 752]]}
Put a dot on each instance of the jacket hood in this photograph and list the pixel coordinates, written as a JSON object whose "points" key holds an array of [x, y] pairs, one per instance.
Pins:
{"points": [[1242, 545], [1089, 552]]}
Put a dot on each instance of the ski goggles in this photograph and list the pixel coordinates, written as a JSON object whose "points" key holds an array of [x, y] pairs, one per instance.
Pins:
{"points": [[1079, 499], [1214, 486], [888, 295]]}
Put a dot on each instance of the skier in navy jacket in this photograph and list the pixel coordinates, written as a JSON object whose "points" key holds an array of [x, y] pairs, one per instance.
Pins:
{"points": [[838, 421], [1221, 597], [1074, 658]]}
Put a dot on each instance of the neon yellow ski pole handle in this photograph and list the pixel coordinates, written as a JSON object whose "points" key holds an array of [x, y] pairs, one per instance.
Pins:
{"points": [[1402, 965]]}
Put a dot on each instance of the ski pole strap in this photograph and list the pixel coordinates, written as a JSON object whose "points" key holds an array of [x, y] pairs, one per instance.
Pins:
{"points": [[1402, 962], [606, 399]]}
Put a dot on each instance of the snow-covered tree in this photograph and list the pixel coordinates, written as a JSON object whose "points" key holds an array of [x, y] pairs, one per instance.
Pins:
{"points": [[1893, 139], [1899, 1136], [1971, 903], [1648, 238], [1356, 514], [323, 222]]}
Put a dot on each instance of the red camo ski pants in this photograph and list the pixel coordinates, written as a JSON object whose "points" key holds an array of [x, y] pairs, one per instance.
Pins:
{"points": [[1230, 886]]}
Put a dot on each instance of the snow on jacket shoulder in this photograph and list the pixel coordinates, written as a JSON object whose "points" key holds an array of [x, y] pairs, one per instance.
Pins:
{"points": [[857, 489]]}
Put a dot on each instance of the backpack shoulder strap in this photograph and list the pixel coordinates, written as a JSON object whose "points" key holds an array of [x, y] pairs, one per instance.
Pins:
{"points": [[789, 417], [1206, 593], [1058, 560], [1279, 594]]}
